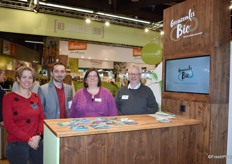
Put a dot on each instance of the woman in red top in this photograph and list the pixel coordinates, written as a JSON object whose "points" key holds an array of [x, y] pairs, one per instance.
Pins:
{"points": [[23, 118]]}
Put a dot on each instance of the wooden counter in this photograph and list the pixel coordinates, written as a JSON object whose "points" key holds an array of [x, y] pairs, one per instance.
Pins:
{"points": [[149, 142]]}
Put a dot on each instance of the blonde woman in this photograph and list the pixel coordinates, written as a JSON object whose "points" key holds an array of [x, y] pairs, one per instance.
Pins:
{"points": [[23, 118]]}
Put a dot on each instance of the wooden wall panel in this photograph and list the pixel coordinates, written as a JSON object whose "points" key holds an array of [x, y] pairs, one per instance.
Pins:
{"points": [[186, 97], [189, 44], [218, 132], [220, 74], [135, 147], [194, 110], [214, 23], [220, 15]]}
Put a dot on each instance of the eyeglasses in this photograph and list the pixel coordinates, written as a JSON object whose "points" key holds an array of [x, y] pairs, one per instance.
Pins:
{"points": [[92, 76], [134, 74]]}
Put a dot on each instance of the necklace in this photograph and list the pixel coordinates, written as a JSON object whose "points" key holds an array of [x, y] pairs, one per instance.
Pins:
{"points": [[93, 92]]}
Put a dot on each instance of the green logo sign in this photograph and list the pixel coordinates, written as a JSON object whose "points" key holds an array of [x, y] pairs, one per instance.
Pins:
{"points": [[151, 54]]}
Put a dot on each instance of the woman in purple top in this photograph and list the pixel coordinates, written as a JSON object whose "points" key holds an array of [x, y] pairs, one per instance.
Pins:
{"points": [[93, 100]]}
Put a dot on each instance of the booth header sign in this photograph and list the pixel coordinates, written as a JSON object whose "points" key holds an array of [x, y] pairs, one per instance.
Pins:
{"points": [[185, 26]]}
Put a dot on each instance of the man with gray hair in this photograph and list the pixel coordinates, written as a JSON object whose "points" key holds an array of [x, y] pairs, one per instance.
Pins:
{"points": [[135, 98]]}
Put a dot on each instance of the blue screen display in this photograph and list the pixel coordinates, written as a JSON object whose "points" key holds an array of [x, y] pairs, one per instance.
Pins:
{"points": [[189, 75]]}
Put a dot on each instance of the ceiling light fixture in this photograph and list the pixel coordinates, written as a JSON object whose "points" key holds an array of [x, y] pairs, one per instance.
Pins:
{"points": [[36, 6], [65, 7], [87, 20], [36, 42], [107, 23], [36, 11], [146, 29], [125, 18]]}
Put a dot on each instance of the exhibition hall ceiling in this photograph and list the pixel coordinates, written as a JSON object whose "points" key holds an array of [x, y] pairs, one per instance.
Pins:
{"points": [[150, 10], [147, 10]]}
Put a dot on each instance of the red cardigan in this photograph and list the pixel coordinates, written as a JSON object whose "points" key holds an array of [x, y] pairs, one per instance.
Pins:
{"points": [[23, 118]]}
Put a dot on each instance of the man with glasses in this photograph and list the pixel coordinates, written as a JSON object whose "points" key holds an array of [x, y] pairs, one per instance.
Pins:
{"points": [[56, 97], [135, 98]]}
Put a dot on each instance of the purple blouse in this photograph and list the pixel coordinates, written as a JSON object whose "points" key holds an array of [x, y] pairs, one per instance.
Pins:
{"points": [[83, 105]]}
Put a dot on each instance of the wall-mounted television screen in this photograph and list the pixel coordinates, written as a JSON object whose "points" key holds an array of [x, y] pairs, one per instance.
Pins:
{"points": [[188, 75]]}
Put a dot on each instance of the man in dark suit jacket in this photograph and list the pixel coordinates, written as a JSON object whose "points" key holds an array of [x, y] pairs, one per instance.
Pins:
{"points": [[56, 97]]}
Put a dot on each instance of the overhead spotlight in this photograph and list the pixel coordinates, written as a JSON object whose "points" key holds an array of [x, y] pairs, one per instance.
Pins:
{"points": [[34, 6], [230, 7], [35, 10], [107, 23], [146, 29], [161, 32], [88, 20]]}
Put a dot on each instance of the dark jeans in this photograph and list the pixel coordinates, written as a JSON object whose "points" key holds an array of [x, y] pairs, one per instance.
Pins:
{"points": [[21, 153]]}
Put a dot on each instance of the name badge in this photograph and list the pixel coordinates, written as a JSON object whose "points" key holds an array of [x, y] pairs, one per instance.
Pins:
{"points": [[125, 97], [69, 104], [97, 99], [34, 106]]}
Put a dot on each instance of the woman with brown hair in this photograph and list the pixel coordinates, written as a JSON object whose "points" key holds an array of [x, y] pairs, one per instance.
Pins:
{"points": [[93, 100]]}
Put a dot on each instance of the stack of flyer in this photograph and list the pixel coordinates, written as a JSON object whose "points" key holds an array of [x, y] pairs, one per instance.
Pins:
{"points": [[163, 116]]}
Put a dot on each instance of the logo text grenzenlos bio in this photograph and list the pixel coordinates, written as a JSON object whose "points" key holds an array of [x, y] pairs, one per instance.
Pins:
{"points": [[185, 26], [187, 17], [185, 73]]}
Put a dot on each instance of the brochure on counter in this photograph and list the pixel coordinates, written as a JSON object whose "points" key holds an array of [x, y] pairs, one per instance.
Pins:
{"points": [[81, 124], [163, 116]]}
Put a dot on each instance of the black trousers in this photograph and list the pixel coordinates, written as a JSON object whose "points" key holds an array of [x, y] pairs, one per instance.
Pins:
{"points": [[21, 153]]}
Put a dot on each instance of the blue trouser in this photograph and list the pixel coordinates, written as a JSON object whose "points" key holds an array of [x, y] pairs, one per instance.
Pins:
{"points": [[21, 153]]}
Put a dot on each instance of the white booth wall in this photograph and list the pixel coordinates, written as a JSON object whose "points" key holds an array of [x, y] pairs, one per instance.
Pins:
{"points": [[229, 139]]}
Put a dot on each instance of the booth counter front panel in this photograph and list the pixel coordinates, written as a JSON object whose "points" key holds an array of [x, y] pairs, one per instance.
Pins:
{"points": [[147, 142]]}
